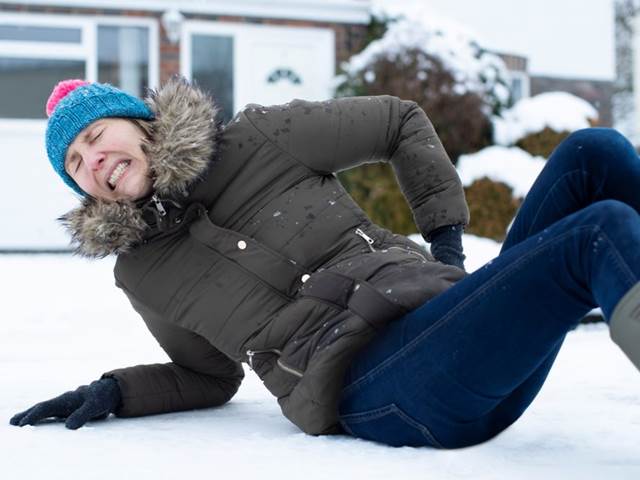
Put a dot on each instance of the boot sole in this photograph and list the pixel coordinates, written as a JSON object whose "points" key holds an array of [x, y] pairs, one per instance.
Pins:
{"points": [[624, 326]]}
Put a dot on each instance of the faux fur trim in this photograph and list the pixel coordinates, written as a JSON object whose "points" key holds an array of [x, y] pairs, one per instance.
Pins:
{"points": [[99, 228], [184, 142], [186, 121]]}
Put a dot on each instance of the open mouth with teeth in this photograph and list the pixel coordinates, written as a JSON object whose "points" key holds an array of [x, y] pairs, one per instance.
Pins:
{"points": [[117, 173]]}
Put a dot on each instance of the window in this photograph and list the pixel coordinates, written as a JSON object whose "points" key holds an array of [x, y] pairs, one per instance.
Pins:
{"points": [[25, 84], [516, 89], [30, 33], [212, 64], [519, 86], [37, 51], [123, 58]]}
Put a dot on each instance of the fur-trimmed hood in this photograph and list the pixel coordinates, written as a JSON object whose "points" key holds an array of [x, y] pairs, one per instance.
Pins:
{"points": [[184, 143]]}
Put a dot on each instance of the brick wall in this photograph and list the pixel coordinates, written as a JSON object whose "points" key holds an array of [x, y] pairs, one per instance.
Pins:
{"points": [[349, 37], [516, 63]]}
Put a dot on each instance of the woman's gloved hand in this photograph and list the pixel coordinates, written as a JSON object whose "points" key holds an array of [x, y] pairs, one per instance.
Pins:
{"points": [[446, 245], [88, 402]]}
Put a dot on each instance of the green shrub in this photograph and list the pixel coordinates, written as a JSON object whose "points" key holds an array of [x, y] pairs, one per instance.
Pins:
{"points": [[374, 187], [542, 143], [492, 206]]}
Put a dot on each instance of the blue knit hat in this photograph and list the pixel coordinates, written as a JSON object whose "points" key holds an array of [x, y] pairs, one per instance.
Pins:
{"points": [[74, 104]]}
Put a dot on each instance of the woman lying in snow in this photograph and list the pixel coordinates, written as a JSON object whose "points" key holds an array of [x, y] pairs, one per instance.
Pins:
{"points": [[237, 243]]}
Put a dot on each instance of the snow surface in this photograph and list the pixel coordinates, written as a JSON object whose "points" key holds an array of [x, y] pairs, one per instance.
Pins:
{"points": [[560, 111], [511, 165], [65, 323]]}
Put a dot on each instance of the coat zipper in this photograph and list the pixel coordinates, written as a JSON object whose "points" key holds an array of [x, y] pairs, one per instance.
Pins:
{"points": [[158, 204], [367, 238], [370, 241], [286, 368]]}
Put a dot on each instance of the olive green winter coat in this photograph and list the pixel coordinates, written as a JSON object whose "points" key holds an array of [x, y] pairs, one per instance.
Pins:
{"points": [[250, 250]]}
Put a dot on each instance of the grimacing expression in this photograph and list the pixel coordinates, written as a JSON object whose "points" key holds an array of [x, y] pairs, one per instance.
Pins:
{"points": [[106, 160]]}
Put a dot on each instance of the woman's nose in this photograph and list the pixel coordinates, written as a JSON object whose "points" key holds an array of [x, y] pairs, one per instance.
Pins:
{"points": [[95, 161]]}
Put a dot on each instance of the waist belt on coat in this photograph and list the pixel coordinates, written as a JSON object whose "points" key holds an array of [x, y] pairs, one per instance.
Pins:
{"points": [[358, 296]]}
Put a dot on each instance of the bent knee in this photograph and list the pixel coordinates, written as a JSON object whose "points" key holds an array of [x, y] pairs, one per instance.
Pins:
{"points": [[610, 211], [598, 139]]}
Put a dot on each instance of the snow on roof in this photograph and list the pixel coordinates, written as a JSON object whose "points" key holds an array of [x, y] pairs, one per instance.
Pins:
{"points": [[417, 27], [559, 111], [510, 165]]}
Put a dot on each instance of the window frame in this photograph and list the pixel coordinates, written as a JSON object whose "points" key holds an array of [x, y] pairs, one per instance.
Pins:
{"points": [[525, 83], [86, 50]]}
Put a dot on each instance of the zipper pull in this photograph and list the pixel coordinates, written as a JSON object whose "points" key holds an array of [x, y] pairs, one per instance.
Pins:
{"points": [[250, 354], [367, 238], [158, 204]]}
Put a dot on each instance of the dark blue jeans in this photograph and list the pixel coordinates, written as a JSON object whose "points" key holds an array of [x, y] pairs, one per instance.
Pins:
{"points": [[465, 365]]}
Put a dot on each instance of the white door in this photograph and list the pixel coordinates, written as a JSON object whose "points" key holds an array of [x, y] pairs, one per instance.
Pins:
{"points": [[240, 64]]}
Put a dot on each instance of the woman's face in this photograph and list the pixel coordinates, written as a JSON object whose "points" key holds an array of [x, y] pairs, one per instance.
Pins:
{"points": [[107, 162]]}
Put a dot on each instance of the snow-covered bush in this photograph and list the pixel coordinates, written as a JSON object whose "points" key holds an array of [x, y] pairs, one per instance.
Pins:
{"points": [[459, 84], [497, 178], [495, 181], [539, 123], [439, 66], [510, 165]]}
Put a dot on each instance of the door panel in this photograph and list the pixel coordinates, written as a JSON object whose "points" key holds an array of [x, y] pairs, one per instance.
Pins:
{"points": [[240, 64]]}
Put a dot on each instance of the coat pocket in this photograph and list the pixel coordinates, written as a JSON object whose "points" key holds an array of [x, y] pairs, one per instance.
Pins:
{"points": [[281, 274]]}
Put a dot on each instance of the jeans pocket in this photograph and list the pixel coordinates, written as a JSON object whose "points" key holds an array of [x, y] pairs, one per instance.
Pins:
{"points": [[389, 425]]}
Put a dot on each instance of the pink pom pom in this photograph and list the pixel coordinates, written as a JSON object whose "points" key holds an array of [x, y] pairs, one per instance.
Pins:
{"points": [[60, 91]]}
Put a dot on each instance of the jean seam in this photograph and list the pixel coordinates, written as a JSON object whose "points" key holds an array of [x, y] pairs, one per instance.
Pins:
{"points": [[509, 270], [381, 412], [541, 204], [622, 265]]}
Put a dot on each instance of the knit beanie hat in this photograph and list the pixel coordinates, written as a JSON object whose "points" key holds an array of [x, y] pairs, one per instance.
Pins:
{"points": [[74, 104]]}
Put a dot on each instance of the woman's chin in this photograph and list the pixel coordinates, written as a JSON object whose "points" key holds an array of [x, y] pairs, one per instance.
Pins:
{"points": [[130, 192]]}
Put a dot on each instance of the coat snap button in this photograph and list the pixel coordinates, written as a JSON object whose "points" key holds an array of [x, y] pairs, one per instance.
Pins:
{"points": [[305, 277], [242, 244]]}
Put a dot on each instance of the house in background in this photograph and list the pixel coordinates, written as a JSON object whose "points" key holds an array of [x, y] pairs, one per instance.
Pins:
{"points": [[241, 51], [517, 66], [597, 92], [626, 97]]}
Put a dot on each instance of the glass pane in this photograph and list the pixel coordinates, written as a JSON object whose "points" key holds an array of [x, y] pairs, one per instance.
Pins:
{"points": [[25, 84], [29, 33], [212, 60], [516, 89], [123, 58]]}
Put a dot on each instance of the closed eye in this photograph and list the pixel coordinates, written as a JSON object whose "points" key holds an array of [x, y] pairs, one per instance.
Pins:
{"points": [[97, 136], [73, 159]]}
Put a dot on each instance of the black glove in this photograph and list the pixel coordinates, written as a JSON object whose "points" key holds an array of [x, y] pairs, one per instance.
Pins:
{"points": [[446, 245], [88, 402]]}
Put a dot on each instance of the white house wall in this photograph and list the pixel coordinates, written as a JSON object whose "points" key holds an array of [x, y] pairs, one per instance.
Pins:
{"points": [[32, 195]]}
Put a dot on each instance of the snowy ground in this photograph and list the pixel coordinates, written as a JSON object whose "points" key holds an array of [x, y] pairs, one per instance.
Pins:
{"points": [[65, 323]]}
